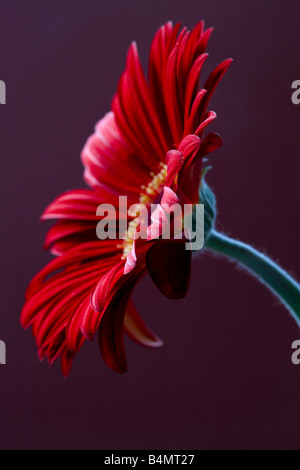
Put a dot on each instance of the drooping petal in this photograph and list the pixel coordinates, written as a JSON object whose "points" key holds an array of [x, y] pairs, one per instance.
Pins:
{"points": [[211, 143], [118, 290], [137, 330], [67, 358], [111, 340], [208, 118], [169, 265]]}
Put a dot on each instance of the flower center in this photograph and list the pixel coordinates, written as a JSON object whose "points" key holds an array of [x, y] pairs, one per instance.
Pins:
{"points": [[147, 196]]}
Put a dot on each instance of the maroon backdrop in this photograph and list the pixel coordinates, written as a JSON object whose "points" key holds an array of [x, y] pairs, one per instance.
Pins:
{"points": [[224, 379]]}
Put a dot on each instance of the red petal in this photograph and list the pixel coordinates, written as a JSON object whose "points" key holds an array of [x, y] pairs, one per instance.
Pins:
{"points": [[208, 118], [192, 83], [168, 198], [212, 82], [67, 358], [99, 297], [169, 265], [174, 160], [137, 330], [75, 204], [189, 145], [211, 143], [130, 260], [111, 340]]}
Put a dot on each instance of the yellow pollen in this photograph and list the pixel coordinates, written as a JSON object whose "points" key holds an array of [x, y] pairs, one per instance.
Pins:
{"points": [[147, 196]]}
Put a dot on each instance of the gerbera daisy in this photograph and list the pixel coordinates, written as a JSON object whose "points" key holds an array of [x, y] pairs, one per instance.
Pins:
{"points": [[149, 147]]}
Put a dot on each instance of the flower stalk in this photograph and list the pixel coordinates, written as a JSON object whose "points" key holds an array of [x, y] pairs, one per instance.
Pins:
{"points": [[282, 285]]}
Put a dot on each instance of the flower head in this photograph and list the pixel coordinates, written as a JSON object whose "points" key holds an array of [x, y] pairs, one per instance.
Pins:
{"points": [[149, 147]]}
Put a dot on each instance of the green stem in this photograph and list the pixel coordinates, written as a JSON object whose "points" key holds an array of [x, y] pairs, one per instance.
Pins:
{"points": [[283, 286]]}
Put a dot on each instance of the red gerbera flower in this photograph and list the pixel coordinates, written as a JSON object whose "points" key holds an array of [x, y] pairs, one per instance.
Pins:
{"points": [[148, 148]]}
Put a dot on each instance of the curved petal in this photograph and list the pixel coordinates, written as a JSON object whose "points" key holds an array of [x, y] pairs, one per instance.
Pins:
{"points": [[110, 333], [78, 204], [169, 265], [137, 330], [174, 160]]}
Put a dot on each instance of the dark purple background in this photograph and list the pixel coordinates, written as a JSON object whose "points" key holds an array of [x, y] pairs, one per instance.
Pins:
{"points": [[224, 379]]}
